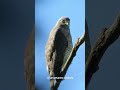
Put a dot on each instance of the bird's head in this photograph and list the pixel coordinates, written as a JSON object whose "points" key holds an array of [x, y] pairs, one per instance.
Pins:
{"points": [[64, 21]]}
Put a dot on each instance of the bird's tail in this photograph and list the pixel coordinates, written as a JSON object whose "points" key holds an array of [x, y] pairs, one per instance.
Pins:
{"points": [[52, 84]]}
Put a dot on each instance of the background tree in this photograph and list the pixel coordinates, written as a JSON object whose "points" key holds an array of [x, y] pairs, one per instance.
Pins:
{"points": [[107, 37]]}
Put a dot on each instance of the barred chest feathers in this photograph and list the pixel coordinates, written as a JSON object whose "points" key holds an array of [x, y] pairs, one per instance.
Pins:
{"points": [[69, 48]]}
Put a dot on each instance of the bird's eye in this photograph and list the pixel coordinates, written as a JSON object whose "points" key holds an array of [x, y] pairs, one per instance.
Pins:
{"points": [[63, 21]]}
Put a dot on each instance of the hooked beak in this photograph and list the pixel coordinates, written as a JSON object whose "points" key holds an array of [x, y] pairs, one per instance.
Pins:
{"points": [[67, 22]]}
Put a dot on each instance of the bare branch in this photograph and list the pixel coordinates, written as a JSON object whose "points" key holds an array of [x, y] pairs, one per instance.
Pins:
{"points": [[70, 58], [107, 37]]}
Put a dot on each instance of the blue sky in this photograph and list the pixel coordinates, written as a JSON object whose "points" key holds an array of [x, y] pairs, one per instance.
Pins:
{"points": [[46, 15]]}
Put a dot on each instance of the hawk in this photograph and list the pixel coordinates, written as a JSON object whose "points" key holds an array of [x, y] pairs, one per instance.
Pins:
{"points": [[58, 48]]}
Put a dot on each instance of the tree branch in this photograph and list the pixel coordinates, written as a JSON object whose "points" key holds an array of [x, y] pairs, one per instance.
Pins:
{"points": [[70, 58], [108, 36]]}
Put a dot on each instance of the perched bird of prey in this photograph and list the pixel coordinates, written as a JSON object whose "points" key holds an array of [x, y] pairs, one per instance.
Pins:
{"points": [[58, 48]]}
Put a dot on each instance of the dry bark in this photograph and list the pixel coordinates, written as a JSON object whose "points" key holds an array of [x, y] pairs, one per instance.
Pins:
{"points": [[107, 37]]}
